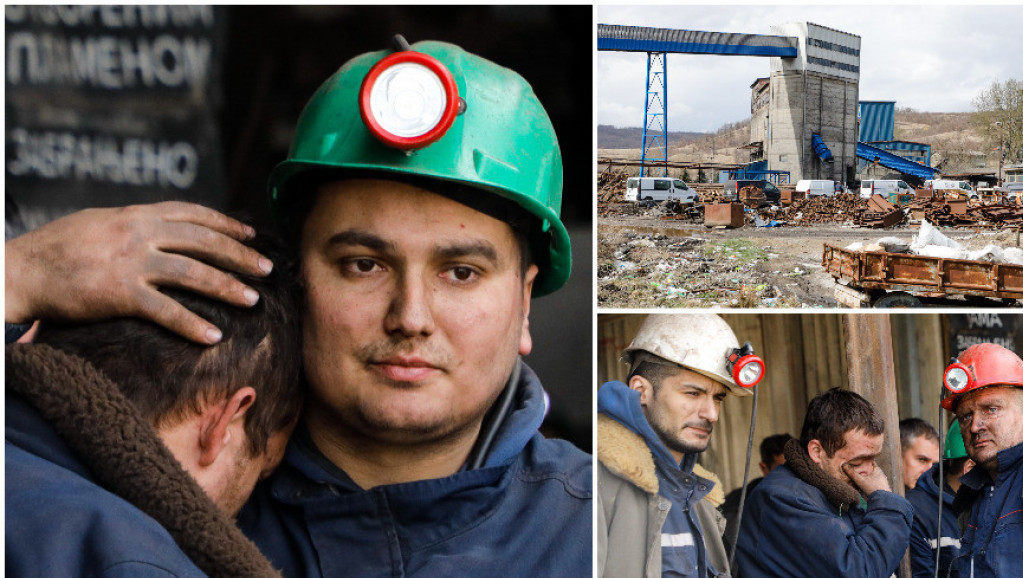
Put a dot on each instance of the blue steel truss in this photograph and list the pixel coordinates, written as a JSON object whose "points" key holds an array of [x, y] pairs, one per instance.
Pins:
{"points": [[895, 162], [655, 127], [657, 43]]}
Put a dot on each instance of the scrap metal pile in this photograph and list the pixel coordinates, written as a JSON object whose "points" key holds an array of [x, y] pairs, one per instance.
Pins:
{"points": [[986, 215], [611, 186], [840, 208]]}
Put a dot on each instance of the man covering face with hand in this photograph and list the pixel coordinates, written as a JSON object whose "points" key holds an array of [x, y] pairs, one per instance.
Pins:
{"points": [[829, 510]]}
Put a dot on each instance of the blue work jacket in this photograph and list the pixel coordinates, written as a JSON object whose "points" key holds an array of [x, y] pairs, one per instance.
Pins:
{"points": [[527, 512], [790, 529], [992, 543], [922, 543], [60, 522]]}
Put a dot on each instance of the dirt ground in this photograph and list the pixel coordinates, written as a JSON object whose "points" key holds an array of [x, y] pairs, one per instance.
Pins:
{"points": [[643, 262]]}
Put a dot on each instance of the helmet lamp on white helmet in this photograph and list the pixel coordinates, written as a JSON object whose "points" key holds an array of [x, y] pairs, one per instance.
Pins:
{"points": [[700, 342], [747, 369]]}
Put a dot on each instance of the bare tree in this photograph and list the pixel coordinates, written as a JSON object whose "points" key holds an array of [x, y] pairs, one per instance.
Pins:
{"points": [[953, 153], [1002, 103]]}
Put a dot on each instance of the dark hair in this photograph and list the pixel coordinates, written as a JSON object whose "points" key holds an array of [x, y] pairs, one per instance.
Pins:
{"points": [[954, 466], [914, 427], [305, 190], [167, 377], [773, 446], [833, 413], [653, 368]]}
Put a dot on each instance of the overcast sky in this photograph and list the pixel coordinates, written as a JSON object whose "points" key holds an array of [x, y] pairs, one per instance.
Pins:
{"points": [[929, 58]]}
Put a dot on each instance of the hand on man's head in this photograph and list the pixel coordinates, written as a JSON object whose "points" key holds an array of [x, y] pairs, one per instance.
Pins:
{"points": [[104, 263]]}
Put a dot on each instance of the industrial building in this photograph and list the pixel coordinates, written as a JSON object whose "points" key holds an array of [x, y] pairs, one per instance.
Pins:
{"points": [[807, 119], [804, 115]]}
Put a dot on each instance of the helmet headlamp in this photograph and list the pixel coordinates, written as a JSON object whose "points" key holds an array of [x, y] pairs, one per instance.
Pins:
{"points": [[747, 369], [408, 100], [957, 377]]}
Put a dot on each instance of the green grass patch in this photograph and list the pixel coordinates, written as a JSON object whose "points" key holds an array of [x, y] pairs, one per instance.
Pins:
{"points": [[741, 251]]}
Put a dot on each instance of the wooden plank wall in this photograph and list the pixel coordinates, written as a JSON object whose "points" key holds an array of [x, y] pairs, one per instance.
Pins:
{"points": [[805, 355]]}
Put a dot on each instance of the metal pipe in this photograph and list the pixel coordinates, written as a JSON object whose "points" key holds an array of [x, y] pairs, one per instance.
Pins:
{"points": [[802, 132]]}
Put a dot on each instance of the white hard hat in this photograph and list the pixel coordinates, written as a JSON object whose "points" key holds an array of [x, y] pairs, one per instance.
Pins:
{"points": [[700, 342]]}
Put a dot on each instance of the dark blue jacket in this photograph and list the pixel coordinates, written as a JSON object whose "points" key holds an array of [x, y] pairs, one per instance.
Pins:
{"points": [[922, 543], [527, 512], [59, 522], [790, 529], [682, 539], [992, 543]]}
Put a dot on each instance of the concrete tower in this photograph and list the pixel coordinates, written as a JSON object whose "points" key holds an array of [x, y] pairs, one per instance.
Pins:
{"points": [[815, 93]]}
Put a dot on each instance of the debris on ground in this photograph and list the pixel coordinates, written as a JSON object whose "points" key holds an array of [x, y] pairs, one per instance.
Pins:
{"points": [[664, 271]]}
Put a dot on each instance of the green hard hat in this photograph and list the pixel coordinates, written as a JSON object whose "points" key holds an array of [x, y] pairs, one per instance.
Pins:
{"points": [[954, 447], [500, 143]]}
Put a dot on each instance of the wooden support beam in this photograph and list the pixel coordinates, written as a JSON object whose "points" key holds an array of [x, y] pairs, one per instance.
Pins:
{"points": [[872, 374], [871, 361]]}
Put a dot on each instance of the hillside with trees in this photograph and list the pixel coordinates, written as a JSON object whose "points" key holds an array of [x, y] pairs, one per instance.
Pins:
{"points": [[956, 142], [959, 141]]}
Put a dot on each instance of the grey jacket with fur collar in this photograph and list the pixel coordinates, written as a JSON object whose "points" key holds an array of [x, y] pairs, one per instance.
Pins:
{"points": [[630, 512]]}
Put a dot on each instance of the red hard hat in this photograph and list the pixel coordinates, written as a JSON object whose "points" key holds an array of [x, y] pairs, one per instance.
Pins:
{"points": [[979, 366]]}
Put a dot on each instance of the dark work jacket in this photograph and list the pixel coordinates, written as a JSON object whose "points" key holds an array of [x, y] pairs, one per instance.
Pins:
{"points": [[992, 543], [922, 543], [90, 489], [730, 510], [527, 512], [60, 522], [792, 527]]}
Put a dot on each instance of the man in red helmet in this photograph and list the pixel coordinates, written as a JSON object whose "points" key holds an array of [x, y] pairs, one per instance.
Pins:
{"points": [[986, 385]]}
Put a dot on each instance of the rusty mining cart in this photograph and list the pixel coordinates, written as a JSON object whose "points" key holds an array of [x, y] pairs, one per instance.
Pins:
{"points": [[879, 279]]}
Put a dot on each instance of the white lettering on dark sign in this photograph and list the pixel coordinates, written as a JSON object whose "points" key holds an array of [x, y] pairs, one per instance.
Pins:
{"points": [[103, 159], [964, 342], [107, 62], [985, 320]]}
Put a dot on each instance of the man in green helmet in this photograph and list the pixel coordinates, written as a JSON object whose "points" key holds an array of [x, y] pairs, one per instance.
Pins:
{"points": [[924, 497], [422, 192]]}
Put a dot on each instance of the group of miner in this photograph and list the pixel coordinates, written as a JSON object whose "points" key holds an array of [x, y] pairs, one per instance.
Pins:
{"points": [[824, 506]]}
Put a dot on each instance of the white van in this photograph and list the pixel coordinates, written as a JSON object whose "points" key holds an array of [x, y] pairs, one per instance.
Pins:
{"points": [[659, 189], [883, 187], [816, 188], [961, 188]]}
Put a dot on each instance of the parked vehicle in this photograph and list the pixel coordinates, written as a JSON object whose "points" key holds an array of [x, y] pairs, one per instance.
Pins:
{"points": [[996, 194], [772, 194], [816, 188], [659, 189], [961, 188], [883, 187]]}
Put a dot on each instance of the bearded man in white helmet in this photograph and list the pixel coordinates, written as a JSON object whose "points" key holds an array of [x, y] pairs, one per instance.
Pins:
{"points": [[652, 519]]}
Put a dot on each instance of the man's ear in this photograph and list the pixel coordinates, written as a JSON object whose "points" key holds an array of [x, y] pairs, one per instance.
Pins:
{"points": [[526, 340], [764, 470], [816, 451], [215, 430], [644, 387]]}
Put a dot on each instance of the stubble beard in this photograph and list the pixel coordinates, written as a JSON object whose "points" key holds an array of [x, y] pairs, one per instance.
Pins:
{"points": [[673, 439]]}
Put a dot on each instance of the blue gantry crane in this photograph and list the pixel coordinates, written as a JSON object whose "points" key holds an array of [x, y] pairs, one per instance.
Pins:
{"points": [[657, 43]]}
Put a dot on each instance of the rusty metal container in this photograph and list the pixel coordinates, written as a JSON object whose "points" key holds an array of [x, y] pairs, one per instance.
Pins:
{"points": [[956, 206], [788, 197], [723, 214]]}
